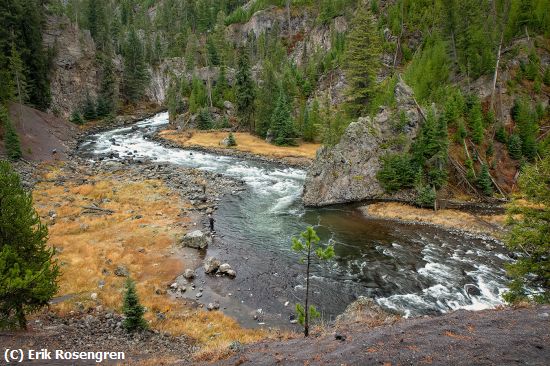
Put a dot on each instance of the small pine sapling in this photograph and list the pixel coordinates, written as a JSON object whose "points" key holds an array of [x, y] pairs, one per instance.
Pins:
{"points": [[308, 246]]}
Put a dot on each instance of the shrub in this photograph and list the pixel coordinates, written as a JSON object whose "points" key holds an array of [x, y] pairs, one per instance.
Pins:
{"points": [[132, 309], [231, 140]]}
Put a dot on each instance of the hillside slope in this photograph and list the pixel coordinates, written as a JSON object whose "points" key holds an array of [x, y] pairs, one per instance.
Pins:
{"points": [[43, 136]]}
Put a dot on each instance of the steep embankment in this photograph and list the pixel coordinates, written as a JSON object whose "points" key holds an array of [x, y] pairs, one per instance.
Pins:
{"points": [[43, 136]]}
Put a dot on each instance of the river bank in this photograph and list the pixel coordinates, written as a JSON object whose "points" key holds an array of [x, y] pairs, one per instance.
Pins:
{"points": [[248, 147], [449, 219]]}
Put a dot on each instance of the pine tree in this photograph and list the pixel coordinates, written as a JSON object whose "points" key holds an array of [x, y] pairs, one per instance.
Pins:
{"points": [[107, 98], [530, 235], [89, 108], [245, 91], [220, 88], [204, 119], [514, 146], [282, 125], [265, 102], [17, 71], [27, 272], [11, 139], [476, 122], [308, 246], [197, 99], [308, 129], [231, 140], [136, 76], [484, 181], [362, 61], [132, 309]]}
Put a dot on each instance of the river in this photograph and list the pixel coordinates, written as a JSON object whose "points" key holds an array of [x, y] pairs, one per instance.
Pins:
{"points": [[413, 269]]}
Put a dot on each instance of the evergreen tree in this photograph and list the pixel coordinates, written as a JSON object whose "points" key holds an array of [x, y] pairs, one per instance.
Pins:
{"points": [[11, 139], [484, 181], [135, 76], [530, 235], [362, 61], [220, 88], [282, 125], [197, 99], [501, 135], [265, 102], [107, 98], [204, 119], [76, 117], [27, 272], [89, 108], [213, 57], [17, 71], [476, 122], [231, 140], [308, 129], [133, 310], [245, 91], [514, 147], [308, 247], [526, 121]]}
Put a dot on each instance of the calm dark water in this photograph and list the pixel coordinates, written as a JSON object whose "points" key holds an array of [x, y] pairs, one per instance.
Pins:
{"points": [[413, 269]]}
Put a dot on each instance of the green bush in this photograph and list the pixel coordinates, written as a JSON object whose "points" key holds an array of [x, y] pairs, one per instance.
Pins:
{"points": [[11, 138], [132, 309], [397, 172], [425, 196], [514, 147], [204, 119], [231, 140]]}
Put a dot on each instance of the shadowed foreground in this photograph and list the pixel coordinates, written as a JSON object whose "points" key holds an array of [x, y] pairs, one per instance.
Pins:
{"points": [[503, 337]]}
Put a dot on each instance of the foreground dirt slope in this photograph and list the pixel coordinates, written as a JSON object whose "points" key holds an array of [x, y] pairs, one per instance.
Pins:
{"points": [[490, 337], [41, 134]]}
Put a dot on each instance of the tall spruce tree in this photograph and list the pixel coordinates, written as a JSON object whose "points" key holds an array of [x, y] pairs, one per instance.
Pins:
{"points": [[107, 98], [135, 76], [529, 235], [245, 92], [282, 124], [27, 272], [11, 139], [362, 61]]}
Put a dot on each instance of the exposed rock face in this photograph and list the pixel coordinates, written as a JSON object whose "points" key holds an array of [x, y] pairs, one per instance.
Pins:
{"points": [[74, 68], [347, 171]]}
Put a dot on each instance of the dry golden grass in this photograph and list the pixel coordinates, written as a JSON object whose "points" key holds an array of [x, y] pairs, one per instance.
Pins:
{"points": [[245, 142], [88, 244], [487, 224]]}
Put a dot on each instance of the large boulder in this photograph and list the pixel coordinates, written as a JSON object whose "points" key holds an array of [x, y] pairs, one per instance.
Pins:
{"points": [[347, 171], [196, 239]]}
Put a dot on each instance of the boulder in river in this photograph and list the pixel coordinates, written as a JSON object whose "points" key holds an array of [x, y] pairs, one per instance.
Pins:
{"points": [[189, 274], [347, 171], [196, 239], [224, 268]]}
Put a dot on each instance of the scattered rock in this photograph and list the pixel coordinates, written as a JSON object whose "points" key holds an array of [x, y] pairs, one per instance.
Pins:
{"points": [[224, 268], [189, 274], [93, 296], [122, 271], [212, 306], [472, 290], [231, 273], [211, 265]]}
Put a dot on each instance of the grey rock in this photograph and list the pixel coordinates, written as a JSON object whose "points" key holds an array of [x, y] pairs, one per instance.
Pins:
{"points": [[231, 273], [212, 306], [196, 239], [224, 268], [122, 271], [347, 171], [189, 274], [211, 265]]}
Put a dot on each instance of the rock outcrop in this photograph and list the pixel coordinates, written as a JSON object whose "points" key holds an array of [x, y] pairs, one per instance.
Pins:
{"points": [[347, 171]]}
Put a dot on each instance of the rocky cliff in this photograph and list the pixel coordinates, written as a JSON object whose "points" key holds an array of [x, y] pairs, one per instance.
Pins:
{"points": [[74, 69], [347, 171]]}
